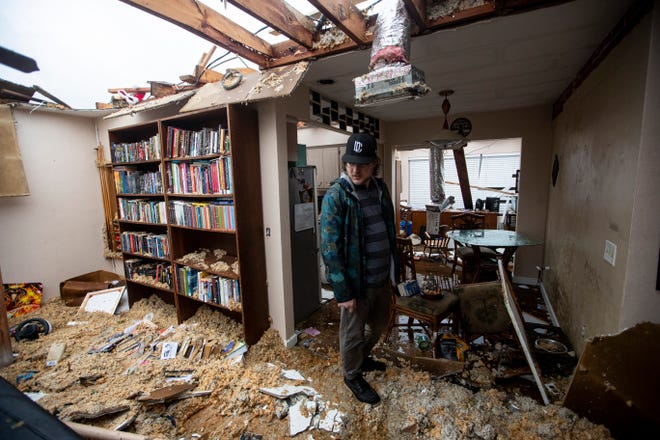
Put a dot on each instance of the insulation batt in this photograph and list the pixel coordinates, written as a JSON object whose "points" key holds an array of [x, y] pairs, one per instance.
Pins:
{"points": [[391, 43]]}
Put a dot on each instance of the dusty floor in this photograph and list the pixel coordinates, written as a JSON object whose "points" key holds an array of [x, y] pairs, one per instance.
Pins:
{"points": [[107, 389]]}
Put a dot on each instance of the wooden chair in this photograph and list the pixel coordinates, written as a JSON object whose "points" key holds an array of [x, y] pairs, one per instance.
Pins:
{"points": [[438, 244], [479, 258], [428, 313]]}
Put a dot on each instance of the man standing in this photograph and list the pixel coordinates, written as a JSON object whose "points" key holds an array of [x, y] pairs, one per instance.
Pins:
{"points": [[357, 245]]}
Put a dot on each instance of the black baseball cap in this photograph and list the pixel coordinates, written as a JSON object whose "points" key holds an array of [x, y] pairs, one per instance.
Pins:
{"points": [[360, 148]]}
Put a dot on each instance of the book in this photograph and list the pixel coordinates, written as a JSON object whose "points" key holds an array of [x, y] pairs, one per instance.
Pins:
{"points": [[409, 288]]}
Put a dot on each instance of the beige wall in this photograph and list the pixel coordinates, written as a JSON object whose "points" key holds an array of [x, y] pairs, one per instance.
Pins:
{"points": [[275, 192], [641, 300], [56, 232], [533, 126], [602, 194]]}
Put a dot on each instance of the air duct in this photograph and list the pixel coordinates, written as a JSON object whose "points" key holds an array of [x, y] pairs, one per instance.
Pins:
{"points": [[391, 77]]}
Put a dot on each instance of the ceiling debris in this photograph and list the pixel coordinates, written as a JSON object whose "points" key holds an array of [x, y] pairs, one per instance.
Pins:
{"points": [[271, 83]]}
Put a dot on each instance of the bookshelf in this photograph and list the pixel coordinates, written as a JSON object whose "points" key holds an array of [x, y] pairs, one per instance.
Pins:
{"points": [[190, 213]]}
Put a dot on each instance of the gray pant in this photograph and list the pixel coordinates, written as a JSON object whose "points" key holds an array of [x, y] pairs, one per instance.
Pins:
{"points": [[360, 331]]}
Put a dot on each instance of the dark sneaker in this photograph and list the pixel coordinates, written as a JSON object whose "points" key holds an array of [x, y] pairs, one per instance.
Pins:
{"points": [[362, 390], [371, 364]]}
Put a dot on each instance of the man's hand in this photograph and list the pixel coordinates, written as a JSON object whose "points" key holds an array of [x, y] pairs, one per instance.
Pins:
{"points": [[349, 305]]}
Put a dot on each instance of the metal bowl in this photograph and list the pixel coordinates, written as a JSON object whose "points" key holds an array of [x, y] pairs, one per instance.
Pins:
{"points": [[550, 345]]}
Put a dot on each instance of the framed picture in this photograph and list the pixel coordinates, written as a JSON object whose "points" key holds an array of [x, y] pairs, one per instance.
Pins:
{"points": [[107, 300]]}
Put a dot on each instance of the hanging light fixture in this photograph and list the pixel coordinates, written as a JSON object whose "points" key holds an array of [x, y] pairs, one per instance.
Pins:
{"points": [[446, 139]]}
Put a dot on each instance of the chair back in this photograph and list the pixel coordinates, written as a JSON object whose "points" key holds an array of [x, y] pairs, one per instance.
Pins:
{"points": [[404, 249], [468, 220]]}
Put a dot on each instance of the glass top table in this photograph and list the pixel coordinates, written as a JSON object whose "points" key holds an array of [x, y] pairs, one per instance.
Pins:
{"points": [[493, 238]]}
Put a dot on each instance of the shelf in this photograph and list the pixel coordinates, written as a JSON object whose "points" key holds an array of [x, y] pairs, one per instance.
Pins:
{"points": [[201, 207]]}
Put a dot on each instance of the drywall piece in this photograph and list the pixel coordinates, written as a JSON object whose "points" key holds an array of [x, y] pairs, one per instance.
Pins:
{"points": [[331, 421], [266, 84], [616, 382], [286, 391], [300, 419], [292, 374], [519, 327]]}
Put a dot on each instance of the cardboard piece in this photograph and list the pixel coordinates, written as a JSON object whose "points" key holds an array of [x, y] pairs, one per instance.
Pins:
{"points": [[73, 290], [616, 382]]}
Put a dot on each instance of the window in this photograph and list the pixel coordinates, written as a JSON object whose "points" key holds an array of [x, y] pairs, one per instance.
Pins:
{"points": [[489, 164]]}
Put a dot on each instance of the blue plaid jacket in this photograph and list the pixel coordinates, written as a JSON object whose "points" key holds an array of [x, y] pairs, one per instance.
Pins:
{"points": [[342, 236]]}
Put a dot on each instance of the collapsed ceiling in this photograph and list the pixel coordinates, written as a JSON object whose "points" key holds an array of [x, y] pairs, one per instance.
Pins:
{"points": [[335, 26]]}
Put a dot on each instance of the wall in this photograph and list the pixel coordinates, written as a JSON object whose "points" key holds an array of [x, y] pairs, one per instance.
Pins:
{"points": [[274, 185], [533, 126], [641, 300], [597, 140], [56, 232]]}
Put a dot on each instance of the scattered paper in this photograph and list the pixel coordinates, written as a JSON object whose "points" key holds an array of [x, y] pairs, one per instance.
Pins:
{"points": [[55, 354], [169, 350]]}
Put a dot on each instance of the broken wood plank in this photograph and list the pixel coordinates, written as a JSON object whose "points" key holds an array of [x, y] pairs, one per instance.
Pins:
{"points": [[346, 17], [94, 432], [439, 366]]}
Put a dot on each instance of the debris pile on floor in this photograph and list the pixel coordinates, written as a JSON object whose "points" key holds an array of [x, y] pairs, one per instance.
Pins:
{"points": [[141, 372]]}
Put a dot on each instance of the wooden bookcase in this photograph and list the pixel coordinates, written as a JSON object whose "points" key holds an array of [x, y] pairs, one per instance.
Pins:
{"points": [[191, 214]]}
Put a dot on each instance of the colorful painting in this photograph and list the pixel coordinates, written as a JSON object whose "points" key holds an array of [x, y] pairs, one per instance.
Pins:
{"points": [[22, 298]]}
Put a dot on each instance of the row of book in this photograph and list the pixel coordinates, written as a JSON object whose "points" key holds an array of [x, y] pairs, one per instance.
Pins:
{"points": [[201, 177], [131, 181], [142, 210], [189, 143], [146, 243], [207, 287], [218, 214], [149, 272], [148, 149]]}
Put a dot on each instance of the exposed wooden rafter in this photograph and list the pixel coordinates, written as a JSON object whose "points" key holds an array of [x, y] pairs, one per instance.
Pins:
{"points": [[346, 17], [203, 21], [281, 17], [351, 29]]}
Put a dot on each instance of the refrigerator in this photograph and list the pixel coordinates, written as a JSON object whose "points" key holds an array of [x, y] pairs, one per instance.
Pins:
{"points": [[304, 241]]}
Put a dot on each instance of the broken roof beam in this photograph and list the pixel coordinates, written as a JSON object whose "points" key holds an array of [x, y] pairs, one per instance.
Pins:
{"points": [[205, 22], [346, 17], [281, 17]]}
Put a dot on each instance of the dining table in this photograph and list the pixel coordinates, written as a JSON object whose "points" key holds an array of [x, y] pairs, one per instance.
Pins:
{"points": [[504, 239]]}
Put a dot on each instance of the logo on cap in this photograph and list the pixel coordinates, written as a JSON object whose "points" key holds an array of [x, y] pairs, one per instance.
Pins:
{"points": [[357, 147]]}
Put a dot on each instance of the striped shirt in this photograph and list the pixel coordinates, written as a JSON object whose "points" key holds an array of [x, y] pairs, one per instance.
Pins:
{"points": [[375, 236]]}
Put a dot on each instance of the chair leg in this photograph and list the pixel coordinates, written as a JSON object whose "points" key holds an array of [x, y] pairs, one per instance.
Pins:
{"points": [[390, 325]]}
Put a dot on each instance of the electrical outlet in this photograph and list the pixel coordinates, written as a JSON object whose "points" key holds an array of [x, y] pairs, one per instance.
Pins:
{"points": [[583, 331], [610, 252]]}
